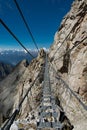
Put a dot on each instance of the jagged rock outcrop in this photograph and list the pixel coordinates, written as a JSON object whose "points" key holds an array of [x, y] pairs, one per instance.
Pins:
{"points": [[68, 55], [5, 69], [14, 87]]}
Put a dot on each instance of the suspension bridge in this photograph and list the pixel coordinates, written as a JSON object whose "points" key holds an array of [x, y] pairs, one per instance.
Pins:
{"points": [[49, 111], [49, 117]]}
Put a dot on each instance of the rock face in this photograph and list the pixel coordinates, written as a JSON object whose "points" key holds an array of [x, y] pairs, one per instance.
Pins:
{"points": [[70, 57], [68, 54], [5, 69], [14, 87]]}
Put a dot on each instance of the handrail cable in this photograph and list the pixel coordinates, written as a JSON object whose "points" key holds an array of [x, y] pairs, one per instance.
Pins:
{"points": [[66, 37], [8, 124], [6, 27], [68, 51], [27, 26], [67, 86], [28, 91], [10, 121]]}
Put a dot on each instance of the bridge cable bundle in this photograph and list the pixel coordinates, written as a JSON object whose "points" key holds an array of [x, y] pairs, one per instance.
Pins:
{"points": [[6, 27], [27, 26]]}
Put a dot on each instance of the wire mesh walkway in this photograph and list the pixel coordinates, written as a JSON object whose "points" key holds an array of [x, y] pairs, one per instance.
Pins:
{"points": [[48, 115]]}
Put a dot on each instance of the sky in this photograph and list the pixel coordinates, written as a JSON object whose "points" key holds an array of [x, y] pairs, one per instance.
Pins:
{"points": [[43, 17]]}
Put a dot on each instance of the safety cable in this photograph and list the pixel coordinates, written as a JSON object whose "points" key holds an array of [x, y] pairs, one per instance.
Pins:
{"points": [[66, 37], [27, 26], [8, 124], [67, 86], [6, 27], [68, 51]]}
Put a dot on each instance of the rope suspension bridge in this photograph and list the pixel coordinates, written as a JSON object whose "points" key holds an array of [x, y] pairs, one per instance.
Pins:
{"points": [[48, 114]]}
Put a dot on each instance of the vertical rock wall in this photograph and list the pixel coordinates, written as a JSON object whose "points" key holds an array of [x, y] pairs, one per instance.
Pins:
{"points": [[68, 54]]}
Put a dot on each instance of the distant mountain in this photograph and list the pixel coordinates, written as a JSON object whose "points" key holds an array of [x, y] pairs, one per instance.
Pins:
{"points": [[15, 56], [5, 69]]}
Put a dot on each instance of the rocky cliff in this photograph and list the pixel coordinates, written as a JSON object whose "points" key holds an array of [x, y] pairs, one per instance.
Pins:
{"points": [[68, 54], [5, 69], [14, 87], [71, 43]]}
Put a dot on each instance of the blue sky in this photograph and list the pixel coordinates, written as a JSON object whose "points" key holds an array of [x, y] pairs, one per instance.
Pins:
{"points": [[42, 16]]}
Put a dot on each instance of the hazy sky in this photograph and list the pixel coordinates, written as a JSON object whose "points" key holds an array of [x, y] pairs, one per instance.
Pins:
{"points": [[42, 16]]}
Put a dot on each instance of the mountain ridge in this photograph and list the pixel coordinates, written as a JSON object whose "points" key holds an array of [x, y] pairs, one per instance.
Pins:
{"points": [[5, 69], [15, 56]]}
